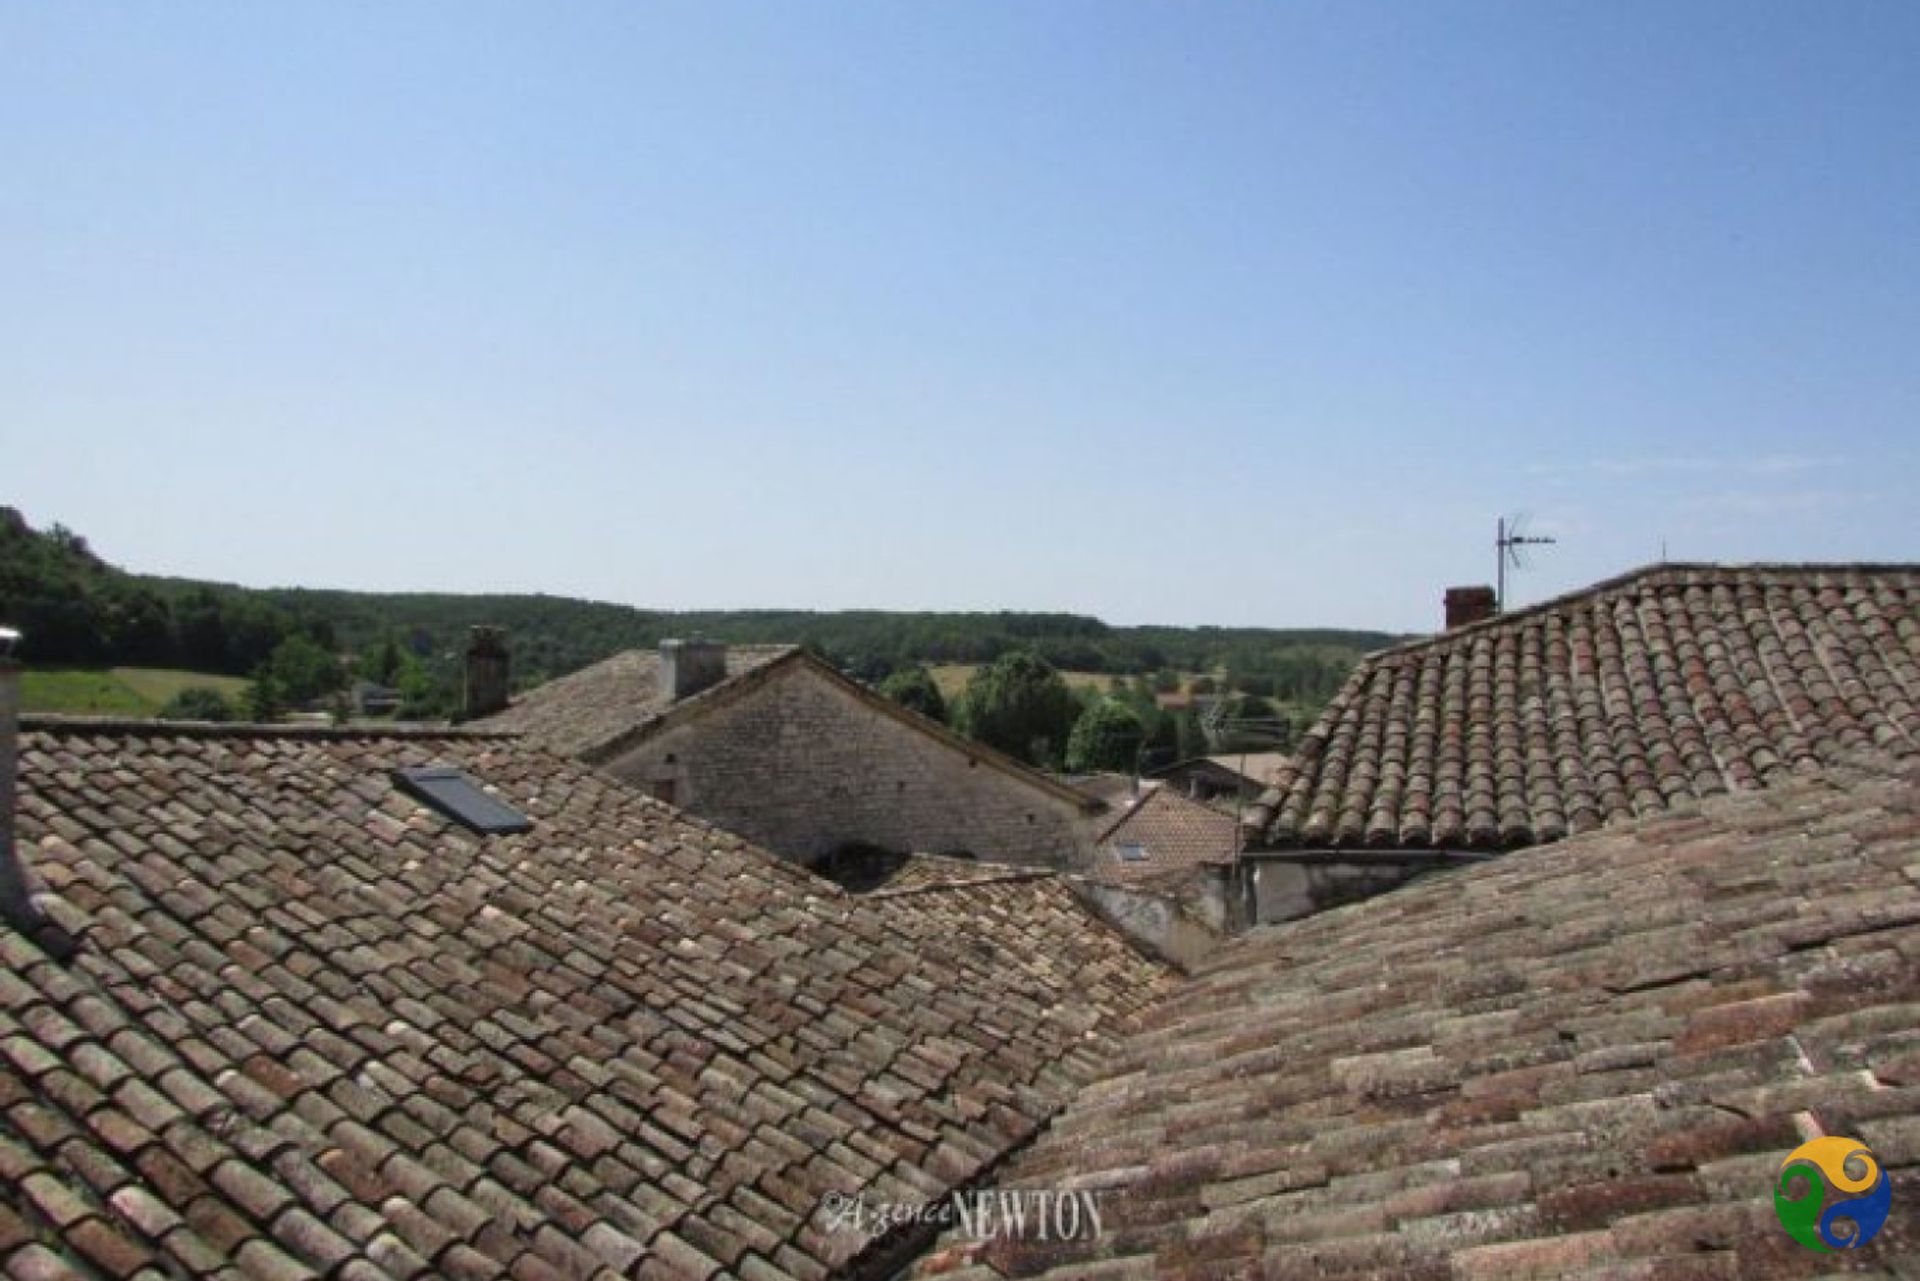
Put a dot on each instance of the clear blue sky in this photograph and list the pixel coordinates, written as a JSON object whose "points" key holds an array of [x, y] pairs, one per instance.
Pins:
{"points": [[1232, 313]]}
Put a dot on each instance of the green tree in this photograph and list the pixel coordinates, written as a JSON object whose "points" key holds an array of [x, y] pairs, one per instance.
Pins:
{"points": [[422, 698], [915, 688], [266, 701], [303, 670], [1163, 739], [1019, 705], [1106, 737], [201, 631], [1192, 740], [1258, 684], [382, 666], [196, 703]]}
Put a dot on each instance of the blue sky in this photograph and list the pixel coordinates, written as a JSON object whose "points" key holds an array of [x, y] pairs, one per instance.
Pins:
{"points": [[1229, 313]]}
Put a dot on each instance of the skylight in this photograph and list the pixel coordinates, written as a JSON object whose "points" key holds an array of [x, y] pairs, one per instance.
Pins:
{"points": [[455, 793], [1130, 852]]}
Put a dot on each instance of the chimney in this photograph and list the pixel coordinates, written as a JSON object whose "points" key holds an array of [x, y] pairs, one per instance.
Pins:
{"points": [[17, 908], [689, 666], [486, 672], [1470, 605]]}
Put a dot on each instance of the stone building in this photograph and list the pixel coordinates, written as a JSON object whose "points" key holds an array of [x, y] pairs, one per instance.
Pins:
{"points": [[772, 743]]}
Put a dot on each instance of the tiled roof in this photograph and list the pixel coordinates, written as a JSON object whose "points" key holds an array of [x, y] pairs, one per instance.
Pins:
{"points": [[583, 712], [1258, 766], [1109, 788], [317, 1029], [1613, 703], [1173, 833], [942, 871], [1587, 1060], [599, 712]]}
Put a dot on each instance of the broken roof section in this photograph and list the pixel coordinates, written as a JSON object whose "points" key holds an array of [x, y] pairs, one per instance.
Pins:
{"points": [[1613, 703], [317, 1028], [919, 872], [1584, 1060]]}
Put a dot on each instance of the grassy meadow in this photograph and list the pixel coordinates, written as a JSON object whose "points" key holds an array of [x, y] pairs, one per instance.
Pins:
{"points": [[114, 691]]}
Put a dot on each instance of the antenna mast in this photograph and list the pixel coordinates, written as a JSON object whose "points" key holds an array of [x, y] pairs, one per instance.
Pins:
{"points": [[1508, 541]]}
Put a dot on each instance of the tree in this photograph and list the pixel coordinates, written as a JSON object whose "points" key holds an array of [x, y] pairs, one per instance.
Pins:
{"points": [[915, 688], [1163, 740], [422, 697], [382, 666], [1019, 705], [265, 699], [1258, 684], [197, 703], [303, 670], [1190, 737], [202, 631], [1106, 737]]}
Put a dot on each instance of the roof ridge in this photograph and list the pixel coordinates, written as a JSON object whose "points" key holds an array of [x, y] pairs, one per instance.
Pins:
{"points": [[1136, 805], [1637, 629], [1641, 576], [1000, 875]]}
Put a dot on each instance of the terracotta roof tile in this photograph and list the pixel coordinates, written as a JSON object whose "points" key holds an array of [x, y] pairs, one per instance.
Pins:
{"points": [[1165, 832], [316, 1028], [1613, 703], [943, 871], [1587, 1059], [582, 712]]}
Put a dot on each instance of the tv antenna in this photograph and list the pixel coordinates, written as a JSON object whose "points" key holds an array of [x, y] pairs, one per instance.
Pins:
{"points": [[1223, 729], [1510, 543]]}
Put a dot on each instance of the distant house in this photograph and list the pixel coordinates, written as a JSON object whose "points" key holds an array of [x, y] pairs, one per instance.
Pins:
{"points": [[774, 744], [1659, 688], [373, 699], [1229, 775], [1166, 833]]}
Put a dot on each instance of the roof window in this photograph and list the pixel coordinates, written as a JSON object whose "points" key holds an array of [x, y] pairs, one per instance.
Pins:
{"points": [[456, 794]]}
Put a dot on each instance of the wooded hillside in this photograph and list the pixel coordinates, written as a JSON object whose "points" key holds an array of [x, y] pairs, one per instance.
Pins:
{"points": [[76, 609]]}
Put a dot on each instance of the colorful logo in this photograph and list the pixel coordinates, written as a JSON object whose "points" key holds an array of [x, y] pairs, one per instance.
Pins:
{"points": [[1812, 1175]]}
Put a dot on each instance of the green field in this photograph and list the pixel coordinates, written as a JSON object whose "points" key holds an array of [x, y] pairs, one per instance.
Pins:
{"points": [[953, 677], [115, 691]]}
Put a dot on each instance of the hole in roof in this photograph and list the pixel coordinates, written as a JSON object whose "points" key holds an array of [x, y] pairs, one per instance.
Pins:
{"points": [[460, 797]]}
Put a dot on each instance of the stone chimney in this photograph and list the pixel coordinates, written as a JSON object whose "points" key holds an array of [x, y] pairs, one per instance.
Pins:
{"points": [[689, 666], [1470, 605], [486, 672], [17, 908]]}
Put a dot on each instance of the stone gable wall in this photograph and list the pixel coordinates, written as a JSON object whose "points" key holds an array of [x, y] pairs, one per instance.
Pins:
{"points": [[802, 766]]}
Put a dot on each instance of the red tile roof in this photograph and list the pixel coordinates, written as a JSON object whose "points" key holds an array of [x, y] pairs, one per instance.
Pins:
{"points": [[1612, 703], [1169, 833], [1586, 1060], [316, 1028]]}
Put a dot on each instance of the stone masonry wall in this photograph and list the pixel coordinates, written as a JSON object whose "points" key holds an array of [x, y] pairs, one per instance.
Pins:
{"points": [[803, 766]]}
